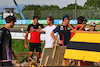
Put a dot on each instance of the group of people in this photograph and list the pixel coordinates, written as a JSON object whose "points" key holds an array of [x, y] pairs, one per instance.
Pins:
{"points": [[64, 30]]}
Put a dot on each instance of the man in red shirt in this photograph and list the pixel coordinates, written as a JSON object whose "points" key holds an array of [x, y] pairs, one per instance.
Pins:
{"points": [[34, 42], [80, 27], [81, 23]]}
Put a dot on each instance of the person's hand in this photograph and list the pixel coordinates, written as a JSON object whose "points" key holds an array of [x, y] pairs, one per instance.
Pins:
{"points": [[32, 30], [26, 46], [60, 42], [15, 56], [53, 46]]}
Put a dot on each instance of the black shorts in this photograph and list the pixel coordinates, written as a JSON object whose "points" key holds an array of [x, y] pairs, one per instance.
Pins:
{"points": [[36, 46]]}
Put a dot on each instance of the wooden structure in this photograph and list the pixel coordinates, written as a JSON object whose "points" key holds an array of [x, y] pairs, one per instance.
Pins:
{"points": [[53, 56], [22, 54]]}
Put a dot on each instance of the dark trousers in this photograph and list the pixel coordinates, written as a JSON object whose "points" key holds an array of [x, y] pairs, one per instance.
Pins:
{"points": [[6, 63]]}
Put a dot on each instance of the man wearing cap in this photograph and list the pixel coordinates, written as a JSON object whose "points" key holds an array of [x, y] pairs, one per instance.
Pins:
{"points": [[34, 42], [81, 23], [63, 30], [80, 27], [92, 26], [64, 33]]}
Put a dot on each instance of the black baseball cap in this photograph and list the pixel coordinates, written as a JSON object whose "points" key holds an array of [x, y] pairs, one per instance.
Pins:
{"points": [[66, 17], [82, 18], [35, 17]]}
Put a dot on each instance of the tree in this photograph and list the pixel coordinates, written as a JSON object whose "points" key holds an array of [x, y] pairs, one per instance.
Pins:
{"points": [[92, 4], [37, 8], [72, 6], [70, 10], [53, 7]]}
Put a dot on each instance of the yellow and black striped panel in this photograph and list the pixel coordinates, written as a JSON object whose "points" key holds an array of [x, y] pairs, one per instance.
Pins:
{"points": [[86, 37], [84, 46]]}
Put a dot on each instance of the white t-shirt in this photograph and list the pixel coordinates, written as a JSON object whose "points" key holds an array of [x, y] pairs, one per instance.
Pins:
{"points": [[49, 41]]}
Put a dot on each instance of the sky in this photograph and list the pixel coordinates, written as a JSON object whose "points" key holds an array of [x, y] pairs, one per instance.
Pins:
{"points": [[60, 3]]}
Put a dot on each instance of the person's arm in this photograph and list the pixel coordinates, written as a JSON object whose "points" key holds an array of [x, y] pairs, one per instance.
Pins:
{"points": [[38, 30], [54, 31], [72, 29], [52, 35], [83, 25], [15, 55], [25, 41], [1, 37], [55, 38], [26, 35]]}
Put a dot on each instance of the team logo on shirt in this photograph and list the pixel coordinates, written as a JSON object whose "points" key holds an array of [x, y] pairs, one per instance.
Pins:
{"points": [[68, 28], [31, 27], [61, 28], [39, 26]]}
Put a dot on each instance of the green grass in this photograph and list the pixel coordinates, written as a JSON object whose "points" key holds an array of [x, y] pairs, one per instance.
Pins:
{"points": [[18, 46]]}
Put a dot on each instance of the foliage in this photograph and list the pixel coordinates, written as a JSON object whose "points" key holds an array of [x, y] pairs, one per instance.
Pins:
{"points": [[72, 6], [18, 46], [37, 8], [92, 4], [90, 10]]}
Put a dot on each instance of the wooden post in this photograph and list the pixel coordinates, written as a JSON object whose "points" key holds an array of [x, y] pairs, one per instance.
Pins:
{"points": [[46, 60], [78, 63], [58, 59], [54, 51], [33, 61]]}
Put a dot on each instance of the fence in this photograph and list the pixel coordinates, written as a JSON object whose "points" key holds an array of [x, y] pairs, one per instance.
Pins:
{"points": [[58, 14], [28, 14]]}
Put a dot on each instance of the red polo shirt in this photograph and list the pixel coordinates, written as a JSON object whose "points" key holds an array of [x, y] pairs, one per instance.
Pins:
{"points": [[34, 36], [76, 28]]}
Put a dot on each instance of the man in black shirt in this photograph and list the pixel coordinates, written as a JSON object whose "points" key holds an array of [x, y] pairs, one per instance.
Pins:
{"points": [[64, 33], [5, 42], [63, 30]]}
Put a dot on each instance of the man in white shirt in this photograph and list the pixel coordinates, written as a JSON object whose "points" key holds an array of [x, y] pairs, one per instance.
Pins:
{"points": [[49, 41]]}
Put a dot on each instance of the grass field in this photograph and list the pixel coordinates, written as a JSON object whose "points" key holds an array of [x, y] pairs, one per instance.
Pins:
{"points": [[18, 46]]}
